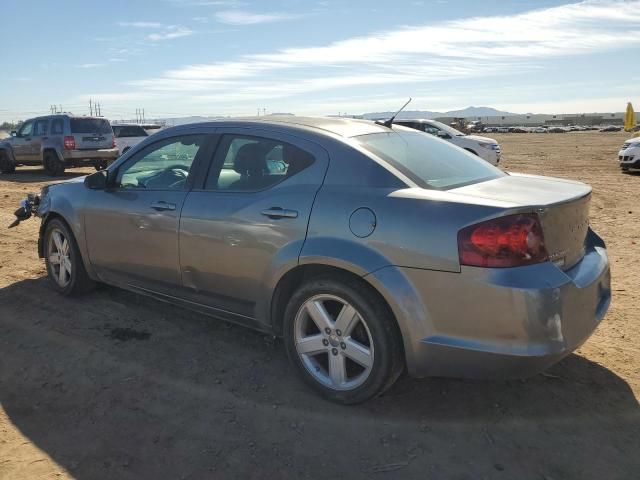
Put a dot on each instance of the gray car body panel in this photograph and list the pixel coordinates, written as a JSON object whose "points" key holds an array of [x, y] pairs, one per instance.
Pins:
{"points": [[359, 214]]}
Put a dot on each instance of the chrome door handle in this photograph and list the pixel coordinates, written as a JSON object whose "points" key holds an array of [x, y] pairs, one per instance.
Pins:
{"points": [[161, 206], [277, 212]]}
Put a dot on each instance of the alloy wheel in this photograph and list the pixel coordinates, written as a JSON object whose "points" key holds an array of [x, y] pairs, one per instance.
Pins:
{"points": [[59, 255], [333, 342]]}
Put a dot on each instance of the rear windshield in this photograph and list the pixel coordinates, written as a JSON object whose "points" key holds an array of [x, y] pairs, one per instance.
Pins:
{"points": [[89, 125], [122, 131], [427, 160]]}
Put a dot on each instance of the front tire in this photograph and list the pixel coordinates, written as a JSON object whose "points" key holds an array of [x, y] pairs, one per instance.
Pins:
{"points": [[65, 268], [342, 339], [52, 164]]}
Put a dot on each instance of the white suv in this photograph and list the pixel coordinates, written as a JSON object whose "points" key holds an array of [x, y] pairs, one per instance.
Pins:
{"points": [[486, 148], [629, 155]]}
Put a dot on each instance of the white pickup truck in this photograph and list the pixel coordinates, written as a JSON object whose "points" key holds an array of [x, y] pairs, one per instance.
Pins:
{"points": [[486, 148]]}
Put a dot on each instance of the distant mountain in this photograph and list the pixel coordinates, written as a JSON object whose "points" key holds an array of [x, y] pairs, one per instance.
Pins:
{"points": [[466, 112]]}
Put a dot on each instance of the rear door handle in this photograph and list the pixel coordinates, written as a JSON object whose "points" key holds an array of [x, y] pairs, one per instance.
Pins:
{"points": [[162, 206], [278, 212]]}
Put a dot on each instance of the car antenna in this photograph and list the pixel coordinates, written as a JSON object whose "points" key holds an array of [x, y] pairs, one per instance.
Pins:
{"points": [[387, 123]]}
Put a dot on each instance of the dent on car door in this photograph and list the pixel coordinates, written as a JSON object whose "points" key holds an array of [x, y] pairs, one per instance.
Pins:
{"points": [[248, 220], [132, 226]]}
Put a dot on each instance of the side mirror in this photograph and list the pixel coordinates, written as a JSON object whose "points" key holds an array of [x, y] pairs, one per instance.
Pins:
{"points": [[442, 134], [97, 181], [14, 133]]}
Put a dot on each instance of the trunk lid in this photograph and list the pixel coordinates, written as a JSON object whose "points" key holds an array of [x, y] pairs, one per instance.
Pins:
{"points": [[562, 205], [91, 133]]}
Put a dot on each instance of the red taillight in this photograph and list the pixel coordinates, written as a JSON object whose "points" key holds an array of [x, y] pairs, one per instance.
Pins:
{"points": [[113, 142], [69, 143], [510, 241]]}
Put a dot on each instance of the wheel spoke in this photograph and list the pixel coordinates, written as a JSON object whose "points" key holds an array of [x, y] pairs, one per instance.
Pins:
{"points": [[358, 353], [337, 370], [57, 239], [67, 265], [319, 315], [54, 258], [65, 246], [311, 345], [62, 276], [347, 319]]}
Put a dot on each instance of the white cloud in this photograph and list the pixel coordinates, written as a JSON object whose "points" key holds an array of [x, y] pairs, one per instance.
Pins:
{"points": [[243, 17], [416, 55], [170, 32], [90, 65], [141, 24]]}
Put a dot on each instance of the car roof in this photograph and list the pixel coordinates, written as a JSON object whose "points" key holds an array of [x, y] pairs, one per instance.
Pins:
{"points": [[421, 120], [127, 125], [344, 127]]}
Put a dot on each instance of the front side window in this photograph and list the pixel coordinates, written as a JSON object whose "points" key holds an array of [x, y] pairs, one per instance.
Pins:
{"points": [[428, 161], [26, 129], [40, 128], [254, 163], [162, 166]]}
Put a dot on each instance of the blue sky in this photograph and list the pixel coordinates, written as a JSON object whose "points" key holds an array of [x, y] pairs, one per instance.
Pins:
{"points": [[231, 57]]}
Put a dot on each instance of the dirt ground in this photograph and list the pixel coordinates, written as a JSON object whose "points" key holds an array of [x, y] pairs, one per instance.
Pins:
{"points": [[113, 385]]}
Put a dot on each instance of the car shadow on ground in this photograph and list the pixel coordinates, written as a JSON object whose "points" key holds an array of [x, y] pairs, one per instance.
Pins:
{"points": [[115, 385], [38, 175]]}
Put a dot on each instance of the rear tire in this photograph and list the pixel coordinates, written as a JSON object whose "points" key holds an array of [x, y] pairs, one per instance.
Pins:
{"points": [[346, 366], [65, 268], [52, 164], [6, 166]]}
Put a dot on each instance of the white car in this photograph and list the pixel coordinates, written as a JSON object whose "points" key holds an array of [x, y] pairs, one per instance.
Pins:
{"points": [[486, 148], [127, 135], [629, 155]]}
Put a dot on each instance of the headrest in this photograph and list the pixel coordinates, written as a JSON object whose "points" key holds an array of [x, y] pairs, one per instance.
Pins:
{"points": [[250, 159]]}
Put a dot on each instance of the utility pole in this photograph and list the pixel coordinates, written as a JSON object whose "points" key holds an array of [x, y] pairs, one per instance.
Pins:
{"points": [[90, 108], [144, 119]]}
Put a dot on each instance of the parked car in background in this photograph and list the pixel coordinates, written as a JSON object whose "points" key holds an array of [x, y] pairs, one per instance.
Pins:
{"points": [[59, 141], [540, 130], [557, 130], [486, 148], [127, 135], [611, 128], [629, 155], [367, 248]]}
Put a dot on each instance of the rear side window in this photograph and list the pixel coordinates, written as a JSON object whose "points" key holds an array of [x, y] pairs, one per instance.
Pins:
{"points": [[125, 131], [429, 161], [57, 126], [254, 163], [89, 125]]}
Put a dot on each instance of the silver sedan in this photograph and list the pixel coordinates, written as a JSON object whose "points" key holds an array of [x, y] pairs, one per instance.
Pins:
{"points": [[369, 249]]}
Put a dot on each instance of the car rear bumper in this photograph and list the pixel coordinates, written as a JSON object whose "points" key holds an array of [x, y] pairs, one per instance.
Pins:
{"points": [[499, 323], [491, 156], [75, 156]]}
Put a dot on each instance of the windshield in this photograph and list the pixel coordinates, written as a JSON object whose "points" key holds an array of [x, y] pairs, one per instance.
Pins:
{"points": [[89, 125], [442, 126], [427, 160]]}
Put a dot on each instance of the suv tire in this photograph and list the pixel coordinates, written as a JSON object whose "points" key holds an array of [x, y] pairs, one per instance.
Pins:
{"points": [[6, 166], [52, 164], [61, 253], [325, 356]]}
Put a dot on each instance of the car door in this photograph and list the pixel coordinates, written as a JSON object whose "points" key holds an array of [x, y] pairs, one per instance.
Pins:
{"points": [[132, 226], [248, 219], [21, 143], [40, 134]]}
